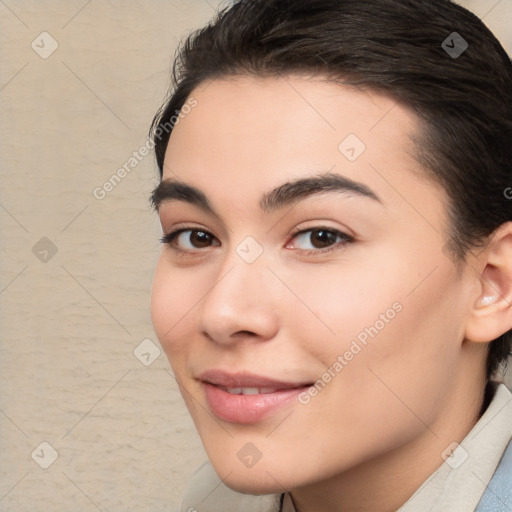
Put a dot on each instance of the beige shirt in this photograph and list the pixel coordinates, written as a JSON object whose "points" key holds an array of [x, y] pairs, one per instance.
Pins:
{"points": [[456, 486]]}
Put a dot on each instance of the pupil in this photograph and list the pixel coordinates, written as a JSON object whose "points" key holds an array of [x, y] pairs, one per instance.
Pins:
{"points": [[200, 239], [322, 238]]}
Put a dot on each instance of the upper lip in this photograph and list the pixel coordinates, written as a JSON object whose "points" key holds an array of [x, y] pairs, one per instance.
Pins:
{"points": [[246, 380]]}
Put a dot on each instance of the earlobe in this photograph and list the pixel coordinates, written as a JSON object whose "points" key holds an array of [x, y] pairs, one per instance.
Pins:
{"points": [[491, 315]]}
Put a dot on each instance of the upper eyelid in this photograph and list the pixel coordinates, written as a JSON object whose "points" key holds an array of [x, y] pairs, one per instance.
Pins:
{"points": [[342, 231], [318, 227], [187, 227], [199, 224]]}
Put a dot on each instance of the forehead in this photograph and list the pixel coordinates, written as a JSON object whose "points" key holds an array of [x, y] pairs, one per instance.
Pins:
{"points": [[247, 135]]}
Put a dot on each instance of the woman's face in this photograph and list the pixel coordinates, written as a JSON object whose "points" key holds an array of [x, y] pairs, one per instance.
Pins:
{"points": [[313, 253]]}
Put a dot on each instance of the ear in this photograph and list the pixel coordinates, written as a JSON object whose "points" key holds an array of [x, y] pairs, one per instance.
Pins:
{"points": [[491, 315]]}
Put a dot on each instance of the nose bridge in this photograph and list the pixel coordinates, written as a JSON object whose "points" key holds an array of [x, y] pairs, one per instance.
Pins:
{"points": [[240, 300], [244, 271]]}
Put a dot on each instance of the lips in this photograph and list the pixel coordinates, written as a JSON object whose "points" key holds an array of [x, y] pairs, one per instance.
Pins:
{"points": [[247, 398], [246, 380]]}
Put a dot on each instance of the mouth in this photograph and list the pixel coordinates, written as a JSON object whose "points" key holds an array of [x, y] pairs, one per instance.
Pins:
{"points": [[249, 391], [247, 398]]}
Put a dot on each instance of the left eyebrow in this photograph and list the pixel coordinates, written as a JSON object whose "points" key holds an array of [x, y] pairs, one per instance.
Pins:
{"points": [[286, 194], [291, 192]]}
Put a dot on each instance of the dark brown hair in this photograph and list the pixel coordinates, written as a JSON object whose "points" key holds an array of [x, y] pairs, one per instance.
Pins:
{"points": [[404, 48]]}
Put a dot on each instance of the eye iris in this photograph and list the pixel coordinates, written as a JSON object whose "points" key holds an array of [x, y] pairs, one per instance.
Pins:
{"points": [[321, 238], [200, 239]]}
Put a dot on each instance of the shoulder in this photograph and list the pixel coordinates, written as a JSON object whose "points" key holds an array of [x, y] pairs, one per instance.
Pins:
{"points": [[205, 492], [498, 493]]}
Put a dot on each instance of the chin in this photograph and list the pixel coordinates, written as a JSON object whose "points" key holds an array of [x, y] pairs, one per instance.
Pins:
{"points": [[253, 484], [264, 478]]}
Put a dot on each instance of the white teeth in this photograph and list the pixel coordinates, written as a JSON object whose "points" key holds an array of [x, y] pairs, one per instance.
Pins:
{"points": [[248, 391]]}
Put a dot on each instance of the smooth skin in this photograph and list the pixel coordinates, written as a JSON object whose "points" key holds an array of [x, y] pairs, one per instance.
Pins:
{"points": [[377, 430]]}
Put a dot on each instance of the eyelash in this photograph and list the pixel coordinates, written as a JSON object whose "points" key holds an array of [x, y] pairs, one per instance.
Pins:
{"points": [[170, 238]]}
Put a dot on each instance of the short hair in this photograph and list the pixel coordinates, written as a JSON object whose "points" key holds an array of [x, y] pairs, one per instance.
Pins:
{"points": [[400, 48]]}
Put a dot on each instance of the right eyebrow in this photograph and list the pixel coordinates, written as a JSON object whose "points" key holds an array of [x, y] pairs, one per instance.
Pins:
{"points": [[174, 190]]}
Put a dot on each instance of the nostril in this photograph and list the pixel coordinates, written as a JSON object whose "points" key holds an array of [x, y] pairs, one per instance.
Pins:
{"points": [[245, 333]]}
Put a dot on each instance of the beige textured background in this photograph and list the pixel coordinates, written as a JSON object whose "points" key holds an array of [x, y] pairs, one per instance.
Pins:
{"points": [[71, 322]]}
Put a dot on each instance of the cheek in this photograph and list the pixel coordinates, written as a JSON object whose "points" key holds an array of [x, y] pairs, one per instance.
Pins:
{"points": [[386, 328], [345, 302], [409, 363], [172, 299]]}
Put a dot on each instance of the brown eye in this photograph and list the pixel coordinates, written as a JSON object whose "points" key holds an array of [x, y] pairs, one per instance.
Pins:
{"points": [[190, 239], [199, 239], [321, 238], [318, 239]]}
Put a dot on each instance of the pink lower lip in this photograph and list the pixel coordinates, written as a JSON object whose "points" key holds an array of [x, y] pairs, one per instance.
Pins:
{"points": [[247, 408]]}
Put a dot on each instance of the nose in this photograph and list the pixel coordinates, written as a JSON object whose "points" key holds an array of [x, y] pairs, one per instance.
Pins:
{"points": [[241, 305]]}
